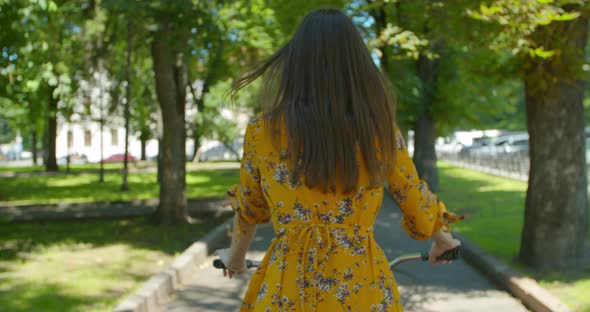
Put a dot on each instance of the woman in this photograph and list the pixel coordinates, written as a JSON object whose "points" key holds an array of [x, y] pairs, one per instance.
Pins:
{"points": [[314, 164]]}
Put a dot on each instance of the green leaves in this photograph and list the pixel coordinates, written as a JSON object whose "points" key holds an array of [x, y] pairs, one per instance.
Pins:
{"points": [[542, 53], [489, 10], [521, 19], [407, 43]]}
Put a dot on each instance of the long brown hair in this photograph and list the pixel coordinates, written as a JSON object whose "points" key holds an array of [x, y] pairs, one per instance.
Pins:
{"points": [[325, 90]]}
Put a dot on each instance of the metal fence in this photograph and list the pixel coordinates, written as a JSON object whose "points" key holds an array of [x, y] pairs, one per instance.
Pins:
{"points": [[515, 166], [510, 165]]}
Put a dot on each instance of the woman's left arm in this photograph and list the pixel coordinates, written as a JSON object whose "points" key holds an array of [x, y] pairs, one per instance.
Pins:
{"points": [[234, 257], [248, 202]]}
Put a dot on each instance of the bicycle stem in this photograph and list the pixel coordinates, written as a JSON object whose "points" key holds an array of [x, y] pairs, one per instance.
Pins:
{"points": [[409, 257]]}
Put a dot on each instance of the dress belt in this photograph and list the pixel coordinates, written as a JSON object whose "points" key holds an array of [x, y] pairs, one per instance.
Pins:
{"points": [[324, 225]]}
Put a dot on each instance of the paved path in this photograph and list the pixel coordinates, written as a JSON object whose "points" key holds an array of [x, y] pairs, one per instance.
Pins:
{"points": [[425, 288]]}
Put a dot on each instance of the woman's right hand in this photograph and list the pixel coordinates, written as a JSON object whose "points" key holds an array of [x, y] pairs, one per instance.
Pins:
{"points": [[441, 242]]}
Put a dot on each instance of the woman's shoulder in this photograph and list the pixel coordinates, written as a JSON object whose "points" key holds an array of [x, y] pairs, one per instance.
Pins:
{"points": [[256, 124], [257, 120], [256, 127]]}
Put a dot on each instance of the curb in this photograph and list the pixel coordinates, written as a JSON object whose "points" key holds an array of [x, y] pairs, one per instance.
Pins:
{"points": [[532, 295], [160, 287]]}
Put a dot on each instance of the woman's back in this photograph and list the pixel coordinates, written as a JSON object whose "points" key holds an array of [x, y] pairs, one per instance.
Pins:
{"points": [[324, 254]]}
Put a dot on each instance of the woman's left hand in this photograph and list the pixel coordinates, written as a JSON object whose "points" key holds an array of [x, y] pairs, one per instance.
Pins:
{"points": [[233, 267]]}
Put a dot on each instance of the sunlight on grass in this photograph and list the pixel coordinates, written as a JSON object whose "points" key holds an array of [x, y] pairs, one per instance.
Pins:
{"points": [[197, 179], [575, 294], [496, 206], [85, 265], [85, 187]]}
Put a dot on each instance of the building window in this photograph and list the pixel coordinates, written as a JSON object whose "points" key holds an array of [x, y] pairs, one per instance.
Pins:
{"points": [[87, 138], [70, 139], [115, 137]]}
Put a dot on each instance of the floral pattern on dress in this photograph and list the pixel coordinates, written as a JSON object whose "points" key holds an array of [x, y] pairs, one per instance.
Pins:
{"points": [[324, 255]]}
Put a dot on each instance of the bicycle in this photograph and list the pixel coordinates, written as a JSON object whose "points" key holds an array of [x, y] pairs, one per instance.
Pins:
{"points": [[451, 254]]}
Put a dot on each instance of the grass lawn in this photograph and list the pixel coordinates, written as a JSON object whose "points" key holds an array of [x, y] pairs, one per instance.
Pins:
{"points": [[84, 187], [496, 206], [85, 265]]}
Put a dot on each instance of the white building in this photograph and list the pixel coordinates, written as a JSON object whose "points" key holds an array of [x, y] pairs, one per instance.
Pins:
{"points": [[81, 134], [83, 139]]}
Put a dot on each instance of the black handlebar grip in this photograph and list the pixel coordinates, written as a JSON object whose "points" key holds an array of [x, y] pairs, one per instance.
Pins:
{"points": [[451, 254], [218, 264]]}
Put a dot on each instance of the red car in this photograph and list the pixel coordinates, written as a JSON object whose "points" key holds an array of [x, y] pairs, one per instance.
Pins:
{"points": [[118, 158]]}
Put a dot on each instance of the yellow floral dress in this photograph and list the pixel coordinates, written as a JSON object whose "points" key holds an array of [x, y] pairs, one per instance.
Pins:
{"points": [[324, 256]]}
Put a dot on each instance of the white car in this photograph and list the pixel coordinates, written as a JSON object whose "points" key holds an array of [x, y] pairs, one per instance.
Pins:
{"points": [[217, 151]]}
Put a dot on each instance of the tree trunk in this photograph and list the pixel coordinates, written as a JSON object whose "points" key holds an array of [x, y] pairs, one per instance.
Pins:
{"points": [[102, 119], [197, 143], [556, 213], [160, 153], [101, 171], [44, 142], [51, 160], [125, 184], [143, 143], [200, 110], [34, 147], [380, 17], [424, 126], [171, 91]]}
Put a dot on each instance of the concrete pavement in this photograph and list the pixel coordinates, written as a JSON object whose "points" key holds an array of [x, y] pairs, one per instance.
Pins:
{"points": [[423, 287]]}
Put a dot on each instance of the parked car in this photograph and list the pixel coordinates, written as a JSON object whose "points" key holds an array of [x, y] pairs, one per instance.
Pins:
{"points": [[517, 144], [471, 150], [118, 158], [507, 144], [217, 151]]}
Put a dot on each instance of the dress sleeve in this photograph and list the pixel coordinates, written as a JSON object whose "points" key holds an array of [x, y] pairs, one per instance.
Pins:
{"points": [[423, 213], [246, 198]]}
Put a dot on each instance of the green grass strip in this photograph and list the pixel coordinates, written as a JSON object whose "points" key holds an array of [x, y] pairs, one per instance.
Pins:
{"points": [[85, 187], [86, 265], [496, 206]]}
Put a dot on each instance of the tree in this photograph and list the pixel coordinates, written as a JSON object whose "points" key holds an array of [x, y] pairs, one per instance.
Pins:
{"points": [[241, 34], [215, 124], [442, 79], [128, 97], [36, 42], [412, 42], [170, 73], [7, 133], [176, 33], [549, 39], [143, 111]]}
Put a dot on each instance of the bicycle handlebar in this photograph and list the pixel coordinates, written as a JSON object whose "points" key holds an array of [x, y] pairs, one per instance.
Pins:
{"points": [[451, 254], [218, 264]]}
